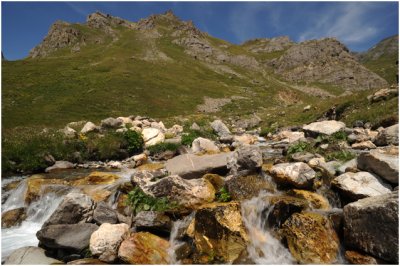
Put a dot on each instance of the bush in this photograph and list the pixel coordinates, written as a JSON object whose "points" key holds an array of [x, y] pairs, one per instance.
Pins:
{"points": [[343, 156], [223, 195], [139, 201], [135, 141], [299, 147], [161, 147]]}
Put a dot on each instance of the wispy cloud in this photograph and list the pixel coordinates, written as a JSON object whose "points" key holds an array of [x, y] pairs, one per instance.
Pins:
{"points": [[349, 22], [77, 8]]}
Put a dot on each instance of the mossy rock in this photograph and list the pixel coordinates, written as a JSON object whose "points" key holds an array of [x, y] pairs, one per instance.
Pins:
{"points": [[316, 201], [247, 187]]}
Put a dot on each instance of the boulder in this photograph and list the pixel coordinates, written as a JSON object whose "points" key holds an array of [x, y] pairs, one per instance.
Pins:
{"points": [[96, 194], [152, 136], [245, 139], [316, 201], [73, 237], [30, 256], [355, 257], [283, 207], [302, 156], [290, 136], [388, 136], [190, 166], [216, 180], [86, 261], [328, 127], [96, 178], [299, 175], [245, 158], [383, 94], [125, 120], [204, 145], [372, 225], [195, 126], [352, 164], [104, 214], [152, 221], [247, 187], [220, 128], [363, 145], [219, 231], [75, 207], [144, 248], [89, 127], [59, 165], [104, 242], [187, 193], [35, 184], [360, 185], [69, 132], [311, 238], [13, 217], [383, 162], [111, 123]]}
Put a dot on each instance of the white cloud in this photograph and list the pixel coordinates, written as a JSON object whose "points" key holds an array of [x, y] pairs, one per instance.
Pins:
{"points": [[348, 22]]}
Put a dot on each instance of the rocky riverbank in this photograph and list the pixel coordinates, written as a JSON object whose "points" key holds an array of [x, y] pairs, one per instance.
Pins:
{"points": [[323, 193]]}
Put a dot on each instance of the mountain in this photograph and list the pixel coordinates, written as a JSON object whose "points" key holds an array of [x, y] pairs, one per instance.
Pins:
{"points": [[162, 66], [382, 58]]}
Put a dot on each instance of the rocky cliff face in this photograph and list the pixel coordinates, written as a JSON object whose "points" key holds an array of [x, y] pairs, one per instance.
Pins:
{"points": [[268, 45], [325, 61]]}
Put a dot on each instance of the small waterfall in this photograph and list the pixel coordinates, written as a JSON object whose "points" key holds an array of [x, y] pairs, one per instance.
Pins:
{"points": [[176, 232], [16, 198], [264, 248]]}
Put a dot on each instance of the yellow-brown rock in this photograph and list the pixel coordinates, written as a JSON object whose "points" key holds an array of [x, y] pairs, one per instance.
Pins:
{"points": [[151, 166], [13, 217], [355, 257], [34, 186], [216, 180], [96, 178], [144, 248], [96, 194], [316, 201], [311, 238], [219, 231]]}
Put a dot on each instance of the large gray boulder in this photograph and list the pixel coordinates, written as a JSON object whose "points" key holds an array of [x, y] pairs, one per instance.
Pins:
{"points": [[328, 127], [245, 158], [360, 185], [152, 221], [372, 225], [111, 123], [104, 214], [383, 162], [30, 256], [389, 135], [190, 166], [220, 128], [298, 175], [76, 207], [73, 237]]}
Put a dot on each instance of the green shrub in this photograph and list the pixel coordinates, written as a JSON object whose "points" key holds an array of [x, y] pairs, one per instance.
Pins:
{"points": [[223, 195], [139, 201], [342, 155], [161, 147], [135, 141], [106, 147], [299, 147]]}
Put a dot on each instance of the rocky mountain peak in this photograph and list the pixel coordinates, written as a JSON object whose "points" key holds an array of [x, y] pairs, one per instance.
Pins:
{"points": [[267, 45], [100, 20], [388, 46]]}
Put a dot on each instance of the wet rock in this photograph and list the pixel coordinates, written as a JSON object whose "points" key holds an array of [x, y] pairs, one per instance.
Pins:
{"points": [[96, 194], [299, 175], [72, 237], [311, 238], [104, 242], [204, 145], [360, 185], [103, 213], [282, 208], [245, 158], [59, 165], [152, 136], [144, 248], [190, 166], [247, 187], [388, 136], [111, 123], [383, 162], [220, 128], [152, 221], [86, 261], [324, 127], [35, 184], [219, 231], [316, 201], [355, 257], [363, 145], [96, 178], [13, 217], [89, 127], [216, 180], [75, 207], [372, 225], [30, 256]]}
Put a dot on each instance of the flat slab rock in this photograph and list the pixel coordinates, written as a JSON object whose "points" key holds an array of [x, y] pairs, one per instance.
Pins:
{"points": [[30, 256], [325, 127], [190, 166]]}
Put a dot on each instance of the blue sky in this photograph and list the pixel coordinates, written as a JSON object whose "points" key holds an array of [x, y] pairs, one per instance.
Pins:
{"points": [[359, 25]]}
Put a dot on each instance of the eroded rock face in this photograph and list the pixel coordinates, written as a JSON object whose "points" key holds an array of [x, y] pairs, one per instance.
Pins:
{"points": [[144, 248], [104, 242], [372, 225], [72, 237], [383, 162], [299, 175], [219, 230], [360, 185], [311, 238], [190, 166], [31, 256], [328, 127], [76, 207]]}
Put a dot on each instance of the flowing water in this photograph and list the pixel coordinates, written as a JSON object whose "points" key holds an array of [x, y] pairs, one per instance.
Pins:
{"points": [[174, 241]]}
